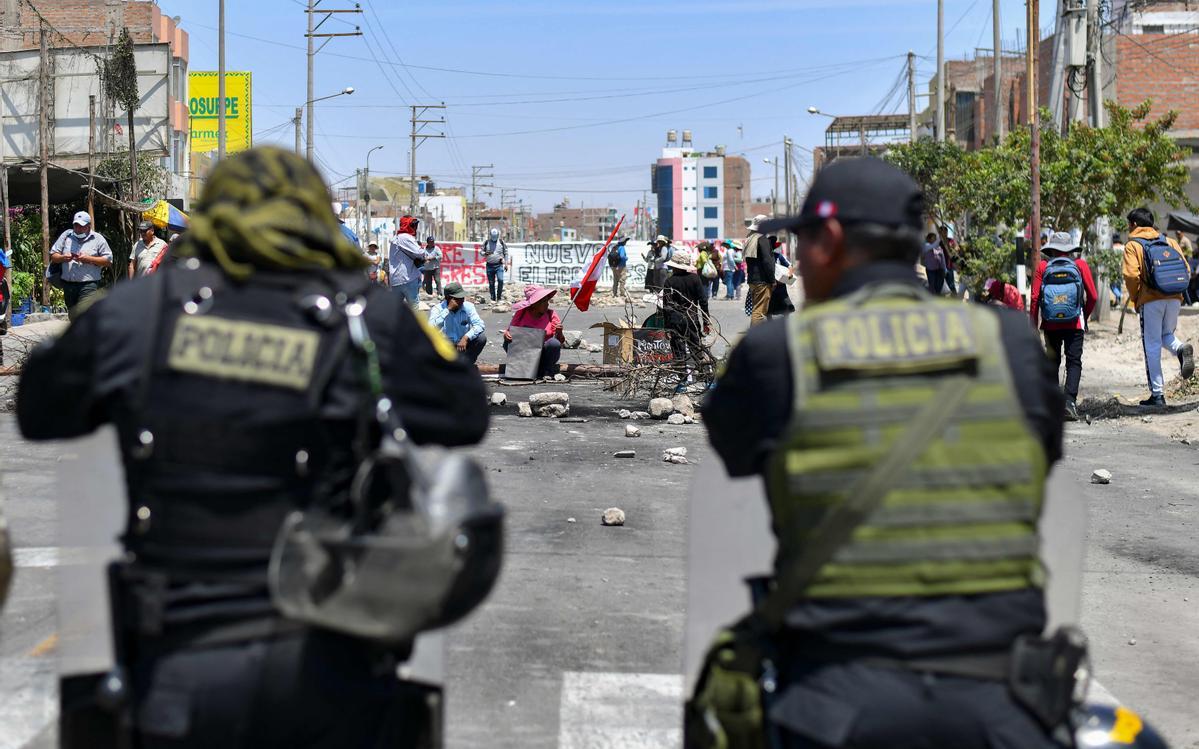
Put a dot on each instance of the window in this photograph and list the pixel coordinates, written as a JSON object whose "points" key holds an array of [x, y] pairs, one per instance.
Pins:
{"points": [[1153, 29], [710, 211], [710, 193], [709, 172], [710, 232]]}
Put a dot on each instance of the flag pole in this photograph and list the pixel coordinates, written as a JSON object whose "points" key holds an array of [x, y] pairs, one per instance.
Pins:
{"points": [[591, 266]]}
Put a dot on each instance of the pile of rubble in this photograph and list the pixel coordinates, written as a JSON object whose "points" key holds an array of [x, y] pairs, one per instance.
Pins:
{"points": [[678, 410]]}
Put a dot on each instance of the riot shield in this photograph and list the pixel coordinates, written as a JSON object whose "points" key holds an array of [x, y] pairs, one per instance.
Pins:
{"points": [[91, 513], [729, 541]]}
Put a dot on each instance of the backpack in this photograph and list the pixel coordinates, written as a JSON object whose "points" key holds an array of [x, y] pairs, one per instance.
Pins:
{"points": [[1061, 291], [1165, 268], [708, 270], [614, 257]]}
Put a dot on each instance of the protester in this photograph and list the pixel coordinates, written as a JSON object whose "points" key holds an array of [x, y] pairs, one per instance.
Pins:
{"points": [[739, 276], [535, 312], [759, 270], [1185, 244], [1153, 267], [1004, 294], [732, 256], [495, 254], [950, 246], [685, 309], [1063, 298], [145, 250], [82, 255], [932, 257], [431, 270], [655, 262], [404, 260], [780, 297], [375, 272], [706, 264], [618, 261], [460, 322]]}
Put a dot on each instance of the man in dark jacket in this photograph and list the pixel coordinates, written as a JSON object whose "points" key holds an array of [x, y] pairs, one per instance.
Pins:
{"points": [[868, 647], [685, 307], [237, 402]]}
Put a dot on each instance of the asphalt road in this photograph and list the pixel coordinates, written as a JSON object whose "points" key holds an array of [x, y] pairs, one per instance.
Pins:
{"points": [[581, 643]]}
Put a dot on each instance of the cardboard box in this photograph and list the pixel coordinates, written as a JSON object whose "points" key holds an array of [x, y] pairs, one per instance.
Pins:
{"points": [[628, 345]]}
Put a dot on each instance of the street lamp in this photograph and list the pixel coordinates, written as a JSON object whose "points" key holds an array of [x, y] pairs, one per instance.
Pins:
{"points": [[816, 110], [861, 126], [300, 115], [774, 196], [366, 183]]}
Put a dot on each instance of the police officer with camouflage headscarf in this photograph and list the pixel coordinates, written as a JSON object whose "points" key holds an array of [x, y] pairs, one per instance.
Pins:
{"points": [[236, 401], [905, 477]]}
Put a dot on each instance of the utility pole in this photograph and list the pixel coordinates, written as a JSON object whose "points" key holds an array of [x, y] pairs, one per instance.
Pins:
{"points": [[43, 137], [1095, 68], [312, 11], [220, 84], [298, 119], [476, 173], [4, 207], [911, 101], [787, 171], [367, 183], [997, 56], [1034, 123], [91, 156], [418, 137], [940, 129]]}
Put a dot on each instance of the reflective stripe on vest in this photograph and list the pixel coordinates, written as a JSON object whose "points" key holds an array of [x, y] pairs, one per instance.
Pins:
{"points": [[962, 518]]}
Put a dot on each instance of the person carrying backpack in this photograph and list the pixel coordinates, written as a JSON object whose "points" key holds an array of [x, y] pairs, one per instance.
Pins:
{"points": [[1156, 273], [618, 260], [1063, 298]]}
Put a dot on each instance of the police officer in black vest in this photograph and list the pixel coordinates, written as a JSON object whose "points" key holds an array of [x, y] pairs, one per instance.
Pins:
{"points": [[237, 400], [904, 442]]}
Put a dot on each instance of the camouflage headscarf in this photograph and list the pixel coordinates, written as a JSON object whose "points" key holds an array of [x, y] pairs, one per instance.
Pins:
{"points": [[267, 208]]}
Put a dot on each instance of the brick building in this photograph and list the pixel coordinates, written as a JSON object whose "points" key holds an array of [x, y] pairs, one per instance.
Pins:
{"points": [[582, 223], [96, 25]]}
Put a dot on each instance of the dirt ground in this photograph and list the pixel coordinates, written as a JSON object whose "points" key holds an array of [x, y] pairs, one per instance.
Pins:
{"points": [[1113, 378]]}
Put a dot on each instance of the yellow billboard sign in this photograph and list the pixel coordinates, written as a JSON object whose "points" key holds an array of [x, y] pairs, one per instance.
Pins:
{"points": [[202, 101]]}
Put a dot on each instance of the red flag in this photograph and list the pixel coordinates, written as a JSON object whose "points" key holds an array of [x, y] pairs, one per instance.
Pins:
{"points": [[581, 290]]}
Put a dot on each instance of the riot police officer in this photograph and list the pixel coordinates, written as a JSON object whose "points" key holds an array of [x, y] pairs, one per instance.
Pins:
{"points": [[237, 400], [904, 442]]}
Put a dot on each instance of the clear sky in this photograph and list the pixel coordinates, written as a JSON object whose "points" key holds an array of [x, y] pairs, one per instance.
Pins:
{"points": [[574, 97]]}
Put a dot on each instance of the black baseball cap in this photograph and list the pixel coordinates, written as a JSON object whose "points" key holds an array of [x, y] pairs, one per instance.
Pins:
{"points": [[858, 190]]}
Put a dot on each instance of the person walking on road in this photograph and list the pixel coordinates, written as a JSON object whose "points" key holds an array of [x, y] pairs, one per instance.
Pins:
{"points": [[146, 250], [459, 321], [1156, 274], [759, 270], [655, 263], [405, 258], [618, 261], [906, 524], [431, 270], [250, 336], [1063, 298], [82, 254], [497, 262], [732, 257]]}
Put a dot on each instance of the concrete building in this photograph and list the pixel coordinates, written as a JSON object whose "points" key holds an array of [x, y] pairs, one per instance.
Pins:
{"points": [[701, 194], [568, 224], [95, 25]]}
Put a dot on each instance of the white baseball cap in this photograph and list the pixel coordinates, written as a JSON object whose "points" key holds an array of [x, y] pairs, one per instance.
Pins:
{"points": [[82, 219]]}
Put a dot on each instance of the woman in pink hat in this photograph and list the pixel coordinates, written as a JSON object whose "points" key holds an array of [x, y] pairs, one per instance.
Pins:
{"points": [[535, 312]]}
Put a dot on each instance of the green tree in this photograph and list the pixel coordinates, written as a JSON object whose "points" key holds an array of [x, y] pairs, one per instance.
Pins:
{"points": [[934, 165], [120, 83]]}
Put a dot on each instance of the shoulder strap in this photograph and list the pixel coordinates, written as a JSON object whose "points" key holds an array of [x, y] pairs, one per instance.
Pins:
{"points": [[861, 499]]}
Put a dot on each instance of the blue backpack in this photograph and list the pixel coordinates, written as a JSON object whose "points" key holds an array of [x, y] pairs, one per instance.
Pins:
{"points": [[1165, 268], [1061, 291]]}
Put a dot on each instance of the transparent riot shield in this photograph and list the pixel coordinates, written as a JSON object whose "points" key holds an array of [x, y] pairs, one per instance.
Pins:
{"points": [[91, 512], [729, 541]]}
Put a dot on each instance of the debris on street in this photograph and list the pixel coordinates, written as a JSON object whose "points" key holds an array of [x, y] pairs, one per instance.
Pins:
{"points": [[660, 408], [1101, 476], [498, 399], [625, 454], [631, 431], [613, 516]]}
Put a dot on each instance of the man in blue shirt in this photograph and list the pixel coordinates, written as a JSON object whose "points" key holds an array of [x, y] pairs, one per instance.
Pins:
{"points": [[460, 322], [618, 260]]}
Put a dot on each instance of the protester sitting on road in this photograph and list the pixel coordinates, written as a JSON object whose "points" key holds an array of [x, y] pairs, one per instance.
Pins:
{"points": [[535, 312], [685, 308], [1003, 293], [732, 256], [1154, 290], [82, 254], [1063, 298], [431, 270], [460, 322]]}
